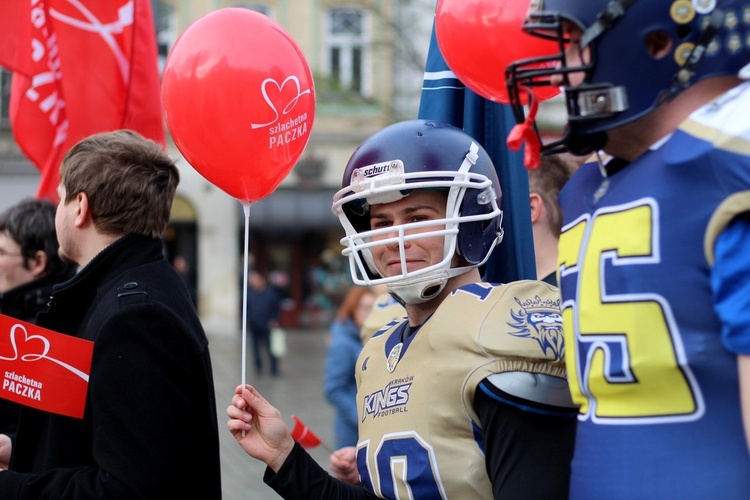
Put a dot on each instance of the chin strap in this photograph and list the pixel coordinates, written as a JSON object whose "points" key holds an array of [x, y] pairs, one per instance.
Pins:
{"points": [[526, 133]]}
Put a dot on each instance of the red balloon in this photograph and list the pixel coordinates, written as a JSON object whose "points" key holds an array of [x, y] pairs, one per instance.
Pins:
{"points": [[480, 38], [239, 101]]}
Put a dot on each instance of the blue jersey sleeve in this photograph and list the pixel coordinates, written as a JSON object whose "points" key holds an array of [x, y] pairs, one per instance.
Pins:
{"points": [[730, 281]]}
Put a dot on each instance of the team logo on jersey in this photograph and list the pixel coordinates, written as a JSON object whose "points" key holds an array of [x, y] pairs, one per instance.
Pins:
{"points": [[394, 356], [541, 320], [390, 400]]}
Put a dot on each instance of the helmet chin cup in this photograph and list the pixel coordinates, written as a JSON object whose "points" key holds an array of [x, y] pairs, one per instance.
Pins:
{"points": [[420, 289], [582, 145]]}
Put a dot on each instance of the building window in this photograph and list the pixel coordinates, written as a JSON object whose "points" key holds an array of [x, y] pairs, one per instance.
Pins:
{"points": [[346, 49], [165, 23], [257, 7]]}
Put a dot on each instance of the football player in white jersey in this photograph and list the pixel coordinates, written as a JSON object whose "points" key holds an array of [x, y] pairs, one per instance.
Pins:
{"points": [[464, 398]]}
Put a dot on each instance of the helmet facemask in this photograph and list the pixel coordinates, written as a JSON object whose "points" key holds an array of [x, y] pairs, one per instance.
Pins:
{"points": [[388, 182], [626, 77], [584, 101]]}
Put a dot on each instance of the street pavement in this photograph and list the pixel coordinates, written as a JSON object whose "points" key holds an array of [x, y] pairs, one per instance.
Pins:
{"points": [[297, 391]]}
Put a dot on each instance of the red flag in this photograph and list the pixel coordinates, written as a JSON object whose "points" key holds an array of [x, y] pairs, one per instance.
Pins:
{"points": [[15, 32], [44, 369], [303, 435], [85, 66]]}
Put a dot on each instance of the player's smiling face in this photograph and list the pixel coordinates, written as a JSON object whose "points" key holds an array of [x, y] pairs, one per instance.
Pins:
{"points": [[420, 206]]}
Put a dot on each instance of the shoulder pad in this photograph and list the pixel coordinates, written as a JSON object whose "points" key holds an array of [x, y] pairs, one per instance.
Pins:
{"points": [[536, 387]]}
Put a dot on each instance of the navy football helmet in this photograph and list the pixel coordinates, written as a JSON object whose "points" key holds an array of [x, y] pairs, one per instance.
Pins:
{"points": [[623, 81], [389, 166]]}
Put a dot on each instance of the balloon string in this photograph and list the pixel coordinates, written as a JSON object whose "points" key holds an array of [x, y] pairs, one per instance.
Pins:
{"points": [[246, 209]]}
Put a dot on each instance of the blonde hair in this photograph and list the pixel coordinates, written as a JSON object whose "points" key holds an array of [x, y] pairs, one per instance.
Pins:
{"points": [[547, 181]]}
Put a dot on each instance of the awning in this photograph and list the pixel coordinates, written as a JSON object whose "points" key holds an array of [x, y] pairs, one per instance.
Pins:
{"points": [[293, 209]]}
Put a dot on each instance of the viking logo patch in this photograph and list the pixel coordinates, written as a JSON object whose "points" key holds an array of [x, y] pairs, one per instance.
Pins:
{"points": [[541, 320]]}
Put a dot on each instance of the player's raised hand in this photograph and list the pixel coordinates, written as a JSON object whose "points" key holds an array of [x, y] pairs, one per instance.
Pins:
{"points": [[259, 428]]}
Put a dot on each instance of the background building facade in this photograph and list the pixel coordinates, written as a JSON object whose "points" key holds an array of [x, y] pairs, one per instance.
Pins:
{"points": [[367, 59]]}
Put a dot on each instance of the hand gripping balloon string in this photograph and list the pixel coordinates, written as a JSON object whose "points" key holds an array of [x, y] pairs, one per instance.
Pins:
{"points": [[525, 133]]}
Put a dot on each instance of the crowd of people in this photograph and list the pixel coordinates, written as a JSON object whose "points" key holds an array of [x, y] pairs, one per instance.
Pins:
{"points": [[622, 371]]}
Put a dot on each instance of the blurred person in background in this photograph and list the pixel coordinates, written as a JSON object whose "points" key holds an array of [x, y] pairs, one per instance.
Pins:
{"points": [[29, 264], [339, 384], [29, 267], [182, 266], [545, 184], [263, 312]]}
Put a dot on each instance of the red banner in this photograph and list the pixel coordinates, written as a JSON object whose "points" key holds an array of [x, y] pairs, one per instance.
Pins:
{"points": [[84, 66], [15, 32], [44, 369]]}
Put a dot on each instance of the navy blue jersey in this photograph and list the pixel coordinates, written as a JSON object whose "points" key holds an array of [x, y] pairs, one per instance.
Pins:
{"points": [[660, 414]]}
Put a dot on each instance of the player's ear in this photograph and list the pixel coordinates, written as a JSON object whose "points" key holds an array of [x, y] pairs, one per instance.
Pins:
{"points": [[536, 204]]}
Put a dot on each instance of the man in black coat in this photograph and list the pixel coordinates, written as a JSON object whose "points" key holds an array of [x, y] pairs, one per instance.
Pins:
{"points": [[149, 428]]}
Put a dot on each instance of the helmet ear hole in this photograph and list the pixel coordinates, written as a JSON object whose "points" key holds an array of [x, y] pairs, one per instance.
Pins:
{"points": [[659, 44], [474, 240], [361, 222]]}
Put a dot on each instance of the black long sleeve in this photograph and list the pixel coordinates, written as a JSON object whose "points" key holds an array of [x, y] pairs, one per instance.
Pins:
{"points": [[302, 478], [528, 446]]}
